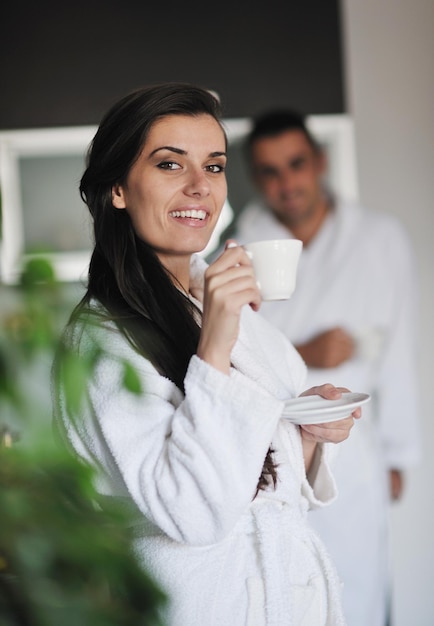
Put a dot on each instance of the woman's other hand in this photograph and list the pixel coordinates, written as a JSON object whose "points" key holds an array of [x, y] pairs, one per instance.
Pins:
{"points": [[229, 285], [336, 431], [331, 432]]}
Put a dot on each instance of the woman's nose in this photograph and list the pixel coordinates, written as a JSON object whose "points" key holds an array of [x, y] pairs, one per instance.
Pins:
{"points": [[197, 183]]}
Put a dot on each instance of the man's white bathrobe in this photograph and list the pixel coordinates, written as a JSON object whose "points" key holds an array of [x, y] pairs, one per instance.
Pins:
{"points": [[357, 273], [190, 464]]}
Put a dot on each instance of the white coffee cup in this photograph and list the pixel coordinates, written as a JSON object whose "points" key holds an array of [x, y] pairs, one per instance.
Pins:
{"points": [[275, 264]]}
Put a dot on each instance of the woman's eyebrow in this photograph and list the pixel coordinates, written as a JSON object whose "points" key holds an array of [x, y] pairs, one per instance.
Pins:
{"points": [[170, 148], [183, 152]]}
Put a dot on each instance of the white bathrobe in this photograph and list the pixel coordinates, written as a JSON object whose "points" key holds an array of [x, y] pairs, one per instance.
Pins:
{"points": [[190, 464], [357, 273]]}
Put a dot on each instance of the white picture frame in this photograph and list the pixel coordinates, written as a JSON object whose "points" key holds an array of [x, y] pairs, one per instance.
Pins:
{"points": [[18, 147]]}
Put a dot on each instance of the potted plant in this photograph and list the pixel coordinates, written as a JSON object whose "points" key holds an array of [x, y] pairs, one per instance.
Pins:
{"points": [[63, 559]]}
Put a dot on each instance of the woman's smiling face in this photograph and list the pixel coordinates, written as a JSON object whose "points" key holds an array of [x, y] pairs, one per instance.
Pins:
{"points": [[175, 190]]}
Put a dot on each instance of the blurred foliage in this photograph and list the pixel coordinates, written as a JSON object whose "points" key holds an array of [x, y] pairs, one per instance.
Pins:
{"points": [[64, 560]]}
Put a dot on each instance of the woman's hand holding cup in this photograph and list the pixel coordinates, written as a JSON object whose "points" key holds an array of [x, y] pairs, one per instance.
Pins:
{"points": [[230, 284]]}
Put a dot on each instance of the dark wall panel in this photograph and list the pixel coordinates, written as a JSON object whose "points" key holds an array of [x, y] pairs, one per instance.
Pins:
{"points": [[64, 63]]}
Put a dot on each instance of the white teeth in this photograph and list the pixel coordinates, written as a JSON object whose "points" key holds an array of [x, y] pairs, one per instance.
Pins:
{"points": [[198, 214]]}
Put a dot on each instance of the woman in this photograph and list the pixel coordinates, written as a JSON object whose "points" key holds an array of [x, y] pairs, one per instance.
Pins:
{"points": [[220, 483]]}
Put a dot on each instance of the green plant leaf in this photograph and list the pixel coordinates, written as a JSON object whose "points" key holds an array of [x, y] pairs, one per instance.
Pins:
{"points": [[65, 553], [130, 379]]}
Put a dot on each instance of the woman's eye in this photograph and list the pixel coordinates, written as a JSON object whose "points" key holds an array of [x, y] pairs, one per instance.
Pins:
{"points": [[216, 168], [168, 165]]}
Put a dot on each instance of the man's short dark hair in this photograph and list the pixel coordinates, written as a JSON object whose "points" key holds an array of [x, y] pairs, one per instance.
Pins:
{"points": [[275, 123]]}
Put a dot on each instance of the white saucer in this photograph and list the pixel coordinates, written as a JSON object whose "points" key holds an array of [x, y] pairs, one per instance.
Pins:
{"points": [[318, 410]]}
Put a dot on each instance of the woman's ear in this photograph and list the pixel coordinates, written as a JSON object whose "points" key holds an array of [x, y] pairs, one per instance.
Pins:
{"points": [[118, 199]]}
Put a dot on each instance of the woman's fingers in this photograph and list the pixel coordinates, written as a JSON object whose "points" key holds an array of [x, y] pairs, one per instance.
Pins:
{"points": [[229, 285], [232, 255], [335, 431], [330, 392], [331, 432], [327, 391], [232, 276]]}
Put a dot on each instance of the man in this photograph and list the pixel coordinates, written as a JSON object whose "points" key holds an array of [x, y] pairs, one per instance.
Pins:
{"points": [[352, 318]]}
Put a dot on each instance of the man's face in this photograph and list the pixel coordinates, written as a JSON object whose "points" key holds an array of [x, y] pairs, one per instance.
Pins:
{"points": [[287, 171]]}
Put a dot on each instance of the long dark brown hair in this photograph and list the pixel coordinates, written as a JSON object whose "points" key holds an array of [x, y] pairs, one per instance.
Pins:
{"points": [[125, 274]]}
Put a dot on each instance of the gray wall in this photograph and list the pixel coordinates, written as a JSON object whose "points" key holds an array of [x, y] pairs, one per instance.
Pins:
{"points": [[389, 53]]}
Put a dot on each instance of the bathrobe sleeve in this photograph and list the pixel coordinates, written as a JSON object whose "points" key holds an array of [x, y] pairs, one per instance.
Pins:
{"points": [[190, 464], [319, 486], [397, 385], [271, 361]]}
